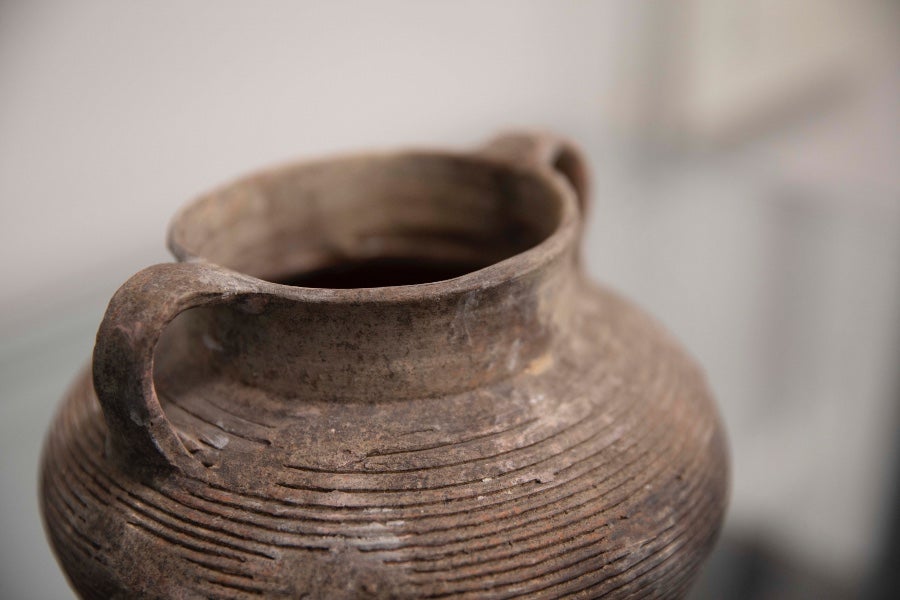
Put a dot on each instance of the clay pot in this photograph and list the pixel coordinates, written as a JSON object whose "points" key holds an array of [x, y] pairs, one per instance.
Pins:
{"points": [[384, 376]]}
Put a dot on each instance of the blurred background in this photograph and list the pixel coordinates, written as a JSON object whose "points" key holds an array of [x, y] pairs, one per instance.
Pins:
{"points": [[746, 158]]}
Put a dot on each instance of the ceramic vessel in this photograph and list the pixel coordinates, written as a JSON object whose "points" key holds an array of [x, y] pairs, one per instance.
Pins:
{"points": [[385, 376]]}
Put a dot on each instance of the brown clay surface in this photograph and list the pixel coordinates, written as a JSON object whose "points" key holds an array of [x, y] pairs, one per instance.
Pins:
{"points": [[515, 431]]}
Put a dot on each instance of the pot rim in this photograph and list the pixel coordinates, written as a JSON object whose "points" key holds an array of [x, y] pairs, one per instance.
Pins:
{"points": [[564, 237]]}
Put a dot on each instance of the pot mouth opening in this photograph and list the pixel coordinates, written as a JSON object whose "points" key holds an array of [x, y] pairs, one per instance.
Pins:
{"points": [[405, 221]]}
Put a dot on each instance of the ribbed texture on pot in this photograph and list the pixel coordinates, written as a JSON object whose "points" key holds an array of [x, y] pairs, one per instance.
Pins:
{"points": [[598, 471]]}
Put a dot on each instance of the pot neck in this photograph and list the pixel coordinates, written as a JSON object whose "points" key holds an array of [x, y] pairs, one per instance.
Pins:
{"points": [[387, 344]]}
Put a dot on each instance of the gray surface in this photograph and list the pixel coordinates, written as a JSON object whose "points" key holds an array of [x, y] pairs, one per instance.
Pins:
{"points": [[35, 369]]}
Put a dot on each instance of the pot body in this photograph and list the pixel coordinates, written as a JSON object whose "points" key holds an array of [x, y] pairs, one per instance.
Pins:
{"points": [[515, 432]]}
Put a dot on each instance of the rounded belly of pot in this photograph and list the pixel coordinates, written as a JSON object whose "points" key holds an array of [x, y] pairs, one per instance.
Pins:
{"points": [[599, 470]]}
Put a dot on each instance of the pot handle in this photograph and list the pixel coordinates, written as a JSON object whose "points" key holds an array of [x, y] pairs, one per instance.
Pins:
{"points": [[140, 310], [543, 150]]}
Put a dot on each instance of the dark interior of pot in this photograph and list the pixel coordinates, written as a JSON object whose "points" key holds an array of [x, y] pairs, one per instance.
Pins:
{"points": [[371, 221]]}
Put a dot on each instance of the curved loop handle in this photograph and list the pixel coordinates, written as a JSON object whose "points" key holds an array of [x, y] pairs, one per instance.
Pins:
{"points": [[542, 150], [138, 313]]}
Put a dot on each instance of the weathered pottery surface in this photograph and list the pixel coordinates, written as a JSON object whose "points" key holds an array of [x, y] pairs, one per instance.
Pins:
{"points": [[486, 424]]}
